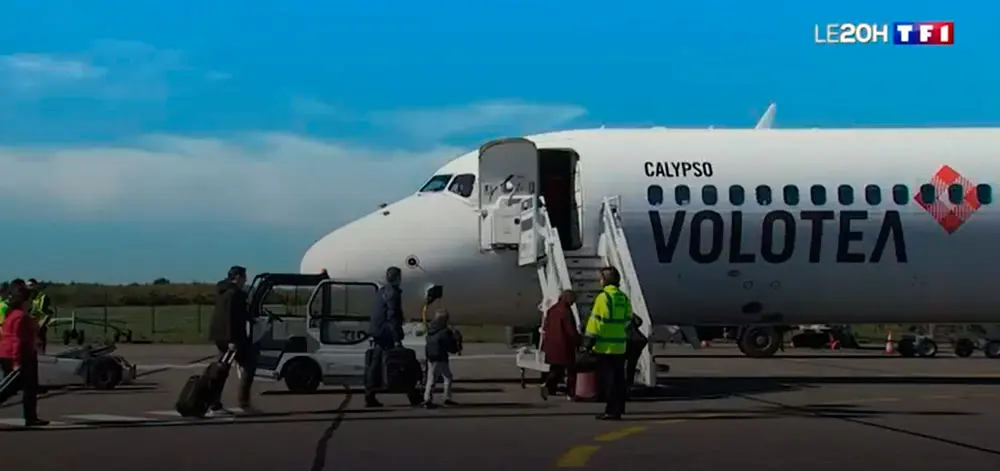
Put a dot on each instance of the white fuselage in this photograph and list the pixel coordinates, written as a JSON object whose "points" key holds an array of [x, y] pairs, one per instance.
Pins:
{"points": [[857, 271]]}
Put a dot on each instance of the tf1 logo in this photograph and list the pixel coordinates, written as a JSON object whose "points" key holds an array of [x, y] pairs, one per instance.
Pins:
{"points": [[912, 33]]}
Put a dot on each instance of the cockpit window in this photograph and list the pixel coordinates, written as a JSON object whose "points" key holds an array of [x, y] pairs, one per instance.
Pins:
{"points": [[462, 185], [436, 183]]}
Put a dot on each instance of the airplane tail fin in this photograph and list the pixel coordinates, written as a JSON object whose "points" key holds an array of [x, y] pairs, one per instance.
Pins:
{"points": [[767, 119]]}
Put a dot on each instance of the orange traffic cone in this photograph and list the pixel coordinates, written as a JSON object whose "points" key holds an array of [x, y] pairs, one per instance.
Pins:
{"points": [[889, 346]]}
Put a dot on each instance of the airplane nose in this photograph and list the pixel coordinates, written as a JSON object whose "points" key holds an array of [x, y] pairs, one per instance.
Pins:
{"points": [[359, 251]]}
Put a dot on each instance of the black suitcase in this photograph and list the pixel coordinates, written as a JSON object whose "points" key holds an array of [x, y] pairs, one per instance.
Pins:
{"points": [[400, 371], [201, 390]]}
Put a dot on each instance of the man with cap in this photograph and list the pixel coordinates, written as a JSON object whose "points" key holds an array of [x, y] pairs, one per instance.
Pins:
{"points": [[385, 330]]}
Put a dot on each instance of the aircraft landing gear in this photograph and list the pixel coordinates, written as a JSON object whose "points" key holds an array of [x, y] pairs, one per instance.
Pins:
{"points": [[964, 348], [910, 347], [992, 349], [759, 341]]}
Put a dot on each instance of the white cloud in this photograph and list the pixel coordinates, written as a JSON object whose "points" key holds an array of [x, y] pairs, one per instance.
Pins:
{"points": [[33, 71], [511, 115], [267, 178], [436, 124], [109, 69]]}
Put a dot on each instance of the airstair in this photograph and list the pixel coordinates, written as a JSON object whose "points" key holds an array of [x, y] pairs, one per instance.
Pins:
{"points": [[514, 217]]}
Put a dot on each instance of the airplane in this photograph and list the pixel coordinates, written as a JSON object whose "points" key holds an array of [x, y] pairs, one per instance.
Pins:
{"points": [[709, 227]]}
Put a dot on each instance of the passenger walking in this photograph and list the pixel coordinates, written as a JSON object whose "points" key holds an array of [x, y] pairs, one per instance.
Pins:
{"points": [[229, 330], [385, 330], [635, 344], [19, 355], [561, 341], [606, 337], [441, 343]]}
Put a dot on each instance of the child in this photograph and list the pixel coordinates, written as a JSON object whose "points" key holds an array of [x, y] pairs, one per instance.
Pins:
{"points": [[441, 342]]}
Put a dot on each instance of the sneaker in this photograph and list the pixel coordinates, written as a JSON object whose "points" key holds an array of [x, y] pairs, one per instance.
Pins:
{"points": [[250, 410], [449, 402], [544, 391], [429, 405], [219, 413]]}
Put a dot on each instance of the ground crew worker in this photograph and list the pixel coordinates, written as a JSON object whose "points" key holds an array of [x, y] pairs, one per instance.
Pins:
{"points": [[41, 310], [606, 337], [3, 301]]}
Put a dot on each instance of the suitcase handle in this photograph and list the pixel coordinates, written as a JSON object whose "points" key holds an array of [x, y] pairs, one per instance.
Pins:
{"points": [[228, 357]]}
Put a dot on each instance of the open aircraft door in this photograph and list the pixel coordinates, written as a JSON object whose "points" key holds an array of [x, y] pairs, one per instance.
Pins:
{"points": [[508, 175]]}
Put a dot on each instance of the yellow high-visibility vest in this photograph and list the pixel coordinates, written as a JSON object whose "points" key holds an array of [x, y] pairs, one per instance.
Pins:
{"points": [[609, 320]]}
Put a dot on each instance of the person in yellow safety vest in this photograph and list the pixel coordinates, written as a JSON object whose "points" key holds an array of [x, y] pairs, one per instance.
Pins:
{"points": [[41, 310], [3, 302], [606, 337]]}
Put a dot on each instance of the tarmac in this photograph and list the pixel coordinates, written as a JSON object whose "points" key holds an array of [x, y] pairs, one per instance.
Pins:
{"points": [[716, 409]]}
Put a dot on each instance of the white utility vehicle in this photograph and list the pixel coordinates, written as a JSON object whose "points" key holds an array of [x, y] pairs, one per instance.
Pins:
{"points": [[328, 345]]}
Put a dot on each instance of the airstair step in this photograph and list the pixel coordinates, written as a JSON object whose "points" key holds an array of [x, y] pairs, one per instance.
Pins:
{"points": [[593, 263]]}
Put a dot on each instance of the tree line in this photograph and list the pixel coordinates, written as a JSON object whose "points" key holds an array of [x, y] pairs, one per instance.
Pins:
{"points": [[160, 292]]}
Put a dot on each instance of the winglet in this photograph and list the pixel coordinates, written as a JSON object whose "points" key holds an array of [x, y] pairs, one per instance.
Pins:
{"points": [[767, 119]]}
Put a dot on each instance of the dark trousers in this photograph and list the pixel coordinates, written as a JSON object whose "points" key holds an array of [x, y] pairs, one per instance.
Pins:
{"points": [[611, 371], [246, 358], [373, 370], [631, 365], [556, 374], [26, 383]]}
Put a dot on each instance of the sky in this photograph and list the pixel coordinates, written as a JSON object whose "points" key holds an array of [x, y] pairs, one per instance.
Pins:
{"points": [[175, 138]]}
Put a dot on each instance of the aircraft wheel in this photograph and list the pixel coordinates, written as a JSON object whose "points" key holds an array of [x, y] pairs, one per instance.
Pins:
{"points": [[66, 337], [105, 373], [907, 348], [927, 348], [760, 342], [993, 349], [964, 348], [302, 376]]}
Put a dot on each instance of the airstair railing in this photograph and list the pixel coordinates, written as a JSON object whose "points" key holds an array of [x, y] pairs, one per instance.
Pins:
{"points": [[614, 249], [553, 273]]}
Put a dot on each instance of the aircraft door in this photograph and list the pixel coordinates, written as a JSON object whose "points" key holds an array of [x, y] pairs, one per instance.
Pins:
{"points": [[508, 174], [339, 312], [528, 246]]}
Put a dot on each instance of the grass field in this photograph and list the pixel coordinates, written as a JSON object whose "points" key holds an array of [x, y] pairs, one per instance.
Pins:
{"points": [[189, 324], [184, 324]]}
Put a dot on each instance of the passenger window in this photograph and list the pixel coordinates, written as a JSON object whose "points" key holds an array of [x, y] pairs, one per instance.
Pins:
{"points": [[818, 195], [845, 195], [736, 195], [900, 194], [873, 195], [654, 194], [791, 194], [682, 195], [436, 183], [462, 185], [709, 195], [984, 193], [956, 193], [927, 193], [763, 195]]}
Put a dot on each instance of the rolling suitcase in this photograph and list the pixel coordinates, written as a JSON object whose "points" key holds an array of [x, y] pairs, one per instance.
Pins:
{"points": [[400, 372], [200, 391]]}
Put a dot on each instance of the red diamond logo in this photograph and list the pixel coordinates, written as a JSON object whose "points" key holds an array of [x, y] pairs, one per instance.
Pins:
{"points": [[950, 216]]}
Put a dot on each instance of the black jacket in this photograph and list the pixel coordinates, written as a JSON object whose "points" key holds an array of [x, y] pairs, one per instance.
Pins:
{"points": [[230, 319], [441, 341], [386, 325]]}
